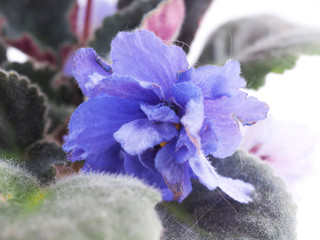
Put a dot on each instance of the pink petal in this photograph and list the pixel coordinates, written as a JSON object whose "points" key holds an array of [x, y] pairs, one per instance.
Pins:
{"points": [[166, 20]]}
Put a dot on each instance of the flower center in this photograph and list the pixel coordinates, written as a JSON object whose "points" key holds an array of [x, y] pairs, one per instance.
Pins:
{"points": [[178, 126]]}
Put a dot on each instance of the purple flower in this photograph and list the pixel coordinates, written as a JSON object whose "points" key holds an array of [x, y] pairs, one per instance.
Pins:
{"points": [[151, 116]]}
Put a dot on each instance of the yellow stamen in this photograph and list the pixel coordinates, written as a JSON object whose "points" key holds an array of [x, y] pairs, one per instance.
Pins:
{"points": [[177, 126], [163, 144]]}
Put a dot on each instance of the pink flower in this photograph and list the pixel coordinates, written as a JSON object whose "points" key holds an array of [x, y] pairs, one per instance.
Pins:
{"points": [[287, 146]]}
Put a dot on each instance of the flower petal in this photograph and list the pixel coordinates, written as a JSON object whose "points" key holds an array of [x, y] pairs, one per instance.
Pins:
{"points": [[90, 71], [208, 137], [235, 188], [91, 131], [216, 81], [160, 113], [128, 88], [224, 114], [189, 97], [183, 92], [176, 175], [137, 136], [144, 57], [133, 166]]}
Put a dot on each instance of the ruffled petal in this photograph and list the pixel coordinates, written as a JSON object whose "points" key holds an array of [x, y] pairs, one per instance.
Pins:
{"points": [[91, 131], [182, 93], [134, 167], [128, 88], [224, 114], [189, 97], [235, 188], [90, 71], [137, 136], [176, 175], [215, 81], [208, 137], [159, 113], [144, 57]]}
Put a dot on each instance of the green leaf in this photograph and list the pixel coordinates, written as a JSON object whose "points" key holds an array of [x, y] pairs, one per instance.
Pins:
{"points": [[194, 13], [42, 76], [22, 111], [46, 20], [58, 89], [41, 159], [124, 3], [3, 53], [262, 45], [127, 19], [271, 214], [16, 188], [82, 207]]}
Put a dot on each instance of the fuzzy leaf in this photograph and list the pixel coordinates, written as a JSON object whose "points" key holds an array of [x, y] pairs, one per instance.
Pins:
{"points": [[127, 19], [41, 159], [59, 89], [271, 214], [46, 20], [3, 53], [17, 187], [22, 112], [82, 207], [124, 3], [194, 13], [166, 20], [42, 76], [262, 44]]}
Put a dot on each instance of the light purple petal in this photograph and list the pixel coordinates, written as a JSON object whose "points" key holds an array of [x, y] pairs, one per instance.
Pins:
{"points": [[90, 71], [137, 136], [144, 57], [208, 137], [176, 175], [91, 131], [235, 188], [183, 92], [160, 113], [216, 81], [128, 88], [224, 114], [193, 119], [133, 167]]}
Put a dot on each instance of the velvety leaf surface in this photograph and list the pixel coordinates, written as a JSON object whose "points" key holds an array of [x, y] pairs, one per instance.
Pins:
{"points": [[262, 44], [22, 111], [124, 3], [271, 214], [17, 188], [127, 19], [41, 159], [3, 53], [58, 88], [166, 20], [82, 207], [42, 76], [46, 20], [194, 13]]}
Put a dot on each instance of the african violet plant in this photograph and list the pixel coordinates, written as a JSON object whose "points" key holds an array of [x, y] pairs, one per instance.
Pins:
{"points": [[107, 94]]}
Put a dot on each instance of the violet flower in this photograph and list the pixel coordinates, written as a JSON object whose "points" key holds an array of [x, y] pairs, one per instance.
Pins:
{"points": [[151, 116]]}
